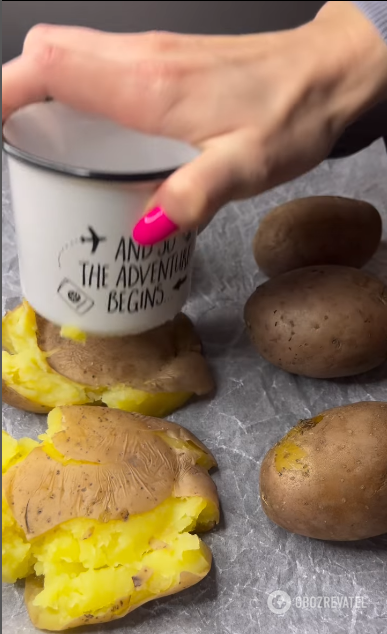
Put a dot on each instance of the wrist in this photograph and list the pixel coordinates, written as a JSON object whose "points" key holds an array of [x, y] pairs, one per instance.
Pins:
{"points": [[352, 58]]}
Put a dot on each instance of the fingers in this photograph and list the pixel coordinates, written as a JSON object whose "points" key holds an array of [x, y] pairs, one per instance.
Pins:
{"points": [[193, 194], [136, 90], [124, 91], [114, 45], [71, 77], [77, 39], [80, 80], [118, 76], [21, 85]]}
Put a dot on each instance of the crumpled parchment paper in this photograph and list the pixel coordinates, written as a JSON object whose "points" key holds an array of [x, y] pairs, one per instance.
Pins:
{"points": [[254, 406]]}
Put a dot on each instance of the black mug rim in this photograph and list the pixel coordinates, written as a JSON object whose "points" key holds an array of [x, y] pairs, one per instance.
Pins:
{"points": [[81, 172]]}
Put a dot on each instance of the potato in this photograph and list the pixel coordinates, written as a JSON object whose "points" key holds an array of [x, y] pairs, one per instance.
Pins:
{"points": [[317, 230], [152, 373], [326, 478], [321, 321], [100, 516]]}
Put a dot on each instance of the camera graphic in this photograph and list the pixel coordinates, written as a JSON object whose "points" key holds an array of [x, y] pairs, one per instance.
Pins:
{"points": [[75, 297]]}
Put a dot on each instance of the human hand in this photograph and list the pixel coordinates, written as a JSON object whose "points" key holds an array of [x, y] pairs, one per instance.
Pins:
{"points": [[262, 108]]}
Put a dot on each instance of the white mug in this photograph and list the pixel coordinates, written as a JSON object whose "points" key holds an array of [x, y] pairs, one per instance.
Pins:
{"points": [[79, 184]]}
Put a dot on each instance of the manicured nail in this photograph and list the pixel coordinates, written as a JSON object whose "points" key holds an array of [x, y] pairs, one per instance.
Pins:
{"points": [[154, 227]]}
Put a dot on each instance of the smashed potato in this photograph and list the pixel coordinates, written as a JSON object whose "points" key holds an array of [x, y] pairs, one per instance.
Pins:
{"points": [[153, 373], [100, 515]]}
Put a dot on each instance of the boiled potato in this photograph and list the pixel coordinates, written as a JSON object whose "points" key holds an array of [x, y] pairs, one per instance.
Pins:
{"points": [[317, 230], [100, 516], [321, 321], [326, 478], [152, 373]]}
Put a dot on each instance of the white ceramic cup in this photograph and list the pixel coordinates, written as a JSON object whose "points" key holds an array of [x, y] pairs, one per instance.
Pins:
{"points": [[79, 184]]}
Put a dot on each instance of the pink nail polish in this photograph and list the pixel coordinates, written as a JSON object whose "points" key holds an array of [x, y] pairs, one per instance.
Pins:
{"points": [[154, 227]]}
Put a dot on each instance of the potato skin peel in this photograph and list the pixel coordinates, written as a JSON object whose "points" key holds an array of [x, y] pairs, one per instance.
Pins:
{"points": [[153, 373], [118, 611], [102, 449], [135, 463], [12, 398], [326, 479], [166, 359]]}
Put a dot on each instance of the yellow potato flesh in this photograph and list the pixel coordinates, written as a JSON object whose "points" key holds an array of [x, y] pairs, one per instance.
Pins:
{"points": [[27, 372], [16, 551], [288, 455], [70, 332], [89, 566]]}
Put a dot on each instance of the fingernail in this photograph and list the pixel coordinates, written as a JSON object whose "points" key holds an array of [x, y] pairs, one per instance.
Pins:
{"points": [[154, 227]]}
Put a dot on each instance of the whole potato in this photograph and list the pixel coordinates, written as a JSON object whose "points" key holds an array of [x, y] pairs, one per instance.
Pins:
{"points": [[321, 321], [317, 230], [327, 477]]}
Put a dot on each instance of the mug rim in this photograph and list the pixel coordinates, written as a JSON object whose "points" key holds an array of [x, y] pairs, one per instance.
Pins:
{"points": [[81, 172]]}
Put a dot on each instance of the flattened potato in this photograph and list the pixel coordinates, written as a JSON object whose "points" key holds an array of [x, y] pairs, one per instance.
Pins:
{"points": [[321, 321], [11, 397], [100, 516], [153, 373], [317, 230], [327, 478]]}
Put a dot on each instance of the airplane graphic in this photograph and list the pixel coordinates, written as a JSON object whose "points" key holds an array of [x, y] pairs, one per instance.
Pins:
{"points": [[94, 239]]}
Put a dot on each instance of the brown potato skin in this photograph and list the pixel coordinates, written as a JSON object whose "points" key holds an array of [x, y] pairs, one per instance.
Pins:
{"points": [[340, 493], [317, 230], [321, 321], [34, 586], [10, 397], [107, 440], [167, 359], [109, 447]]}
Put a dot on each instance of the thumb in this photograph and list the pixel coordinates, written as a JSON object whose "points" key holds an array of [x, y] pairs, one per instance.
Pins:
{"points": [[191, 196]]}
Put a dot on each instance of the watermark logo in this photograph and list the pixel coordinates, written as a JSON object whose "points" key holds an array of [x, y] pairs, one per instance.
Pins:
{"points": [[330, 602], [279, 602]]}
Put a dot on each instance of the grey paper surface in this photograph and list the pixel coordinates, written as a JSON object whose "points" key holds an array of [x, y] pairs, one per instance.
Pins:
{"points": [[254, 406]]}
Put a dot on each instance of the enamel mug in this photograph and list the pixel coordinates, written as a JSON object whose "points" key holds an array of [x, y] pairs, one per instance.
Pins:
{"points": [[79, 184]]}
